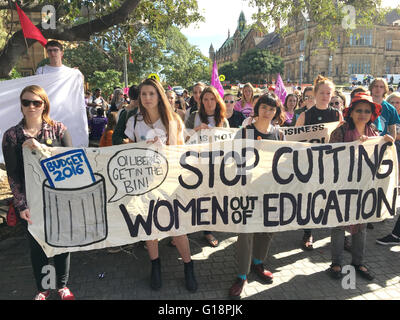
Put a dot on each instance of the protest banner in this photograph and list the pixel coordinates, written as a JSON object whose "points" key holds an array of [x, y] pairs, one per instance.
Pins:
{"points": [[315, 133], [143, 192], [211, 135]]}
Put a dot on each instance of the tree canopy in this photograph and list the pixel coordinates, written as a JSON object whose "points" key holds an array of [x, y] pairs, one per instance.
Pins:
{"points": [[252, 66], [81, 20]]}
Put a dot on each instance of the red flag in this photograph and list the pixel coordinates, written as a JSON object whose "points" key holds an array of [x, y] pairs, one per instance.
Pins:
{"points": [[29, 29], [130, 53]]}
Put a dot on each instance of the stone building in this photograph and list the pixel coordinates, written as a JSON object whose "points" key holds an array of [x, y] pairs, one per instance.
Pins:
{"points": [[374, 50]]}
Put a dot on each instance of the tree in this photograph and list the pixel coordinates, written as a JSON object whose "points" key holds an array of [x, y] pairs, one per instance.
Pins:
{"points": [[325, 14], [183, 64], [230, 71], [78, 20], [254, 65], [106, 80]]}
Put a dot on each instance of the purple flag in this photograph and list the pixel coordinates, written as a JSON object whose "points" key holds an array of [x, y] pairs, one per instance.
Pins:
{"points": [[280, 89], [169, 87], [215, 80]]}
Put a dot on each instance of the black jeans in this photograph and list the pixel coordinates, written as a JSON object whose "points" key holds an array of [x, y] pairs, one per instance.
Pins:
{"points": [[396, 229], [39, 260]]}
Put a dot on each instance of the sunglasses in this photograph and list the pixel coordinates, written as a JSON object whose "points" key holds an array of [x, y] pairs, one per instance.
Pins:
{"points": [[229, 101], [363, 111], [336, 103], [36, 103]]}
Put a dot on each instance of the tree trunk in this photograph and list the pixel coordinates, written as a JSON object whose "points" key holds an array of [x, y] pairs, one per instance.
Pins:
{"points": [[16, 46]]}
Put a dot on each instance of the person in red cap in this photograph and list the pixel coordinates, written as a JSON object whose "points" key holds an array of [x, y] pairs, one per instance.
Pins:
{"points": [[359, 118]]}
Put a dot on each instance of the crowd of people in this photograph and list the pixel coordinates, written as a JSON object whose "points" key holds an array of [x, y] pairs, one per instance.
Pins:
{"points": [[150, 113]]}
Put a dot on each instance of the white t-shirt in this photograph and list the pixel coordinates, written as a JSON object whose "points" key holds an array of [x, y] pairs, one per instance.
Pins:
{"points": [[197, 121], [143, 132], [49, 69]]}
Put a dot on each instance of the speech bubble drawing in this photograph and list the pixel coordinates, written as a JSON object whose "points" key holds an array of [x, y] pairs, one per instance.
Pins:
{"points": [[136, 171]]}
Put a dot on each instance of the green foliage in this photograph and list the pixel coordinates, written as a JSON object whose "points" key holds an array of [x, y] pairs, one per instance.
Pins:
{"points": [[183, 64], [13, 75], [106, 81], [254, 65]]}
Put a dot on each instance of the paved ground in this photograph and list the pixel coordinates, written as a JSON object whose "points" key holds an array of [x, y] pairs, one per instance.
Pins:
{"points": [[298, 274]]}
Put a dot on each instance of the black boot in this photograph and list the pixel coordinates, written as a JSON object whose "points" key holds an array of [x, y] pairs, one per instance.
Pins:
{"points": [[156, 274], [191, 283]]}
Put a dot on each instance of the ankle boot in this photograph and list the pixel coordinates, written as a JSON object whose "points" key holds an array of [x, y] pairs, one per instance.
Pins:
{"points": [[156, 274], [190, 279]]}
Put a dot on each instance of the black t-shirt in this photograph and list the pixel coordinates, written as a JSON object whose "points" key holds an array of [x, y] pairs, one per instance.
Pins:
{"points": [[236, 120], [251, 132], [315, 115]]}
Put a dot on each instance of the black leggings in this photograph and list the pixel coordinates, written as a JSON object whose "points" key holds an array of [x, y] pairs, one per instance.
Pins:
{"points": [[39, 260]]}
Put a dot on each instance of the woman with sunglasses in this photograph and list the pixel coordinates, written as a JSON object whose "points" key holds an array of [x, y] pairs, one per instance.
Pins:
{"points": [[235, 118], [35, 129], [338, 101], [358, 125]]}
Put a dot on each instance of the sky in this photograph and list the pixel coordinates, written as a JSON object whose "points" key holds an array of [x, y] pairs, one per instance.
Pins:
{"points": [[222, 15]]}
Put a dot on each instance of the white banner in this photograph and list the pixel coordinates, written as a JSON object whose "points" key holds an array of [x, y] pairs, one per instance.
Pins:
{"points": [[92, 198], [67, 103]]}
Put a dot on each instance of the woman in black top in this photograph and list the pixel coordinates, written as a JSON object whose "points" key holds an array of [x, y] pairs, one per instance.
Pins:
{"points": [[320, 113], [234, 117]]}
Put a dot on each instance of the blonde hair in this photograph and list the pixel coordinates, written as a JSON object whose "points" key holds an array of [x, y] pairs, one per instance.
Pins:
{"points": [[39, 91], [243, 102], [393, 95]]}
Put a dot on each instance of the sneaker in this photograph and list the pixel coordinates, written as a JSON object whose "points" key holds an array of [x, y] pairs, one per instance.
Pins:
{"points": [[66, 294], [42, 295], [388, 240]]}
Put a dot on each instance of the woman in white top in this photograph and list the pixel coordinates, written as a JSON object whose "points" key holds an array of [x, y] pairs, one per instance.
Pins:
{"points": [[212, 113], [156, 121]]}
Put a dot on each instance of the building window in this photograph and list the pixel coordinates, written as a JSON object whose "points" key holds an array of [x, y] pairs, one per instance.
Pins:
{"points": [[360, 66], [361, 38], [302, 45], [387, 69], [289, 49], [389, 44]]}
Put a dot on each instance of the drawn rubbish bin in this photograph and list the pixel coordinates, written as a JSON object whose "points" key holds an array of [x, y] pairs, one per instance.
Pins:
{"points": [[75, 217]]}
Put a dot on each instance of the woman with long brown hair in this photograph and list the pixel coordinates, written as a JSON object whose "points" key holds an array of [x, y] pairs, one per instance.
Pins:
{"points": [[156, 120], [35, 129], [212, 113]]}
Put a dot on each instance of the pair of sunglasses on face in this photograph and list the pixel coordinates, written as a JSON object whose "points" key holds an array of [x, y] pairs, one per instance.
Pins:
{"points": [[229, 101], [336, 103], [36, 103]]}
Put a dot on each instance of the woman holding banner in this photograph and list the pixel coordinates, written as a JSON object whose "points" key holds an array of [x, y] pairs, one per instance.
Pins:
{"points": [[212, 113], [359, 117], [321, 112], [157, 122], [35, 129], [252, 248]]}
